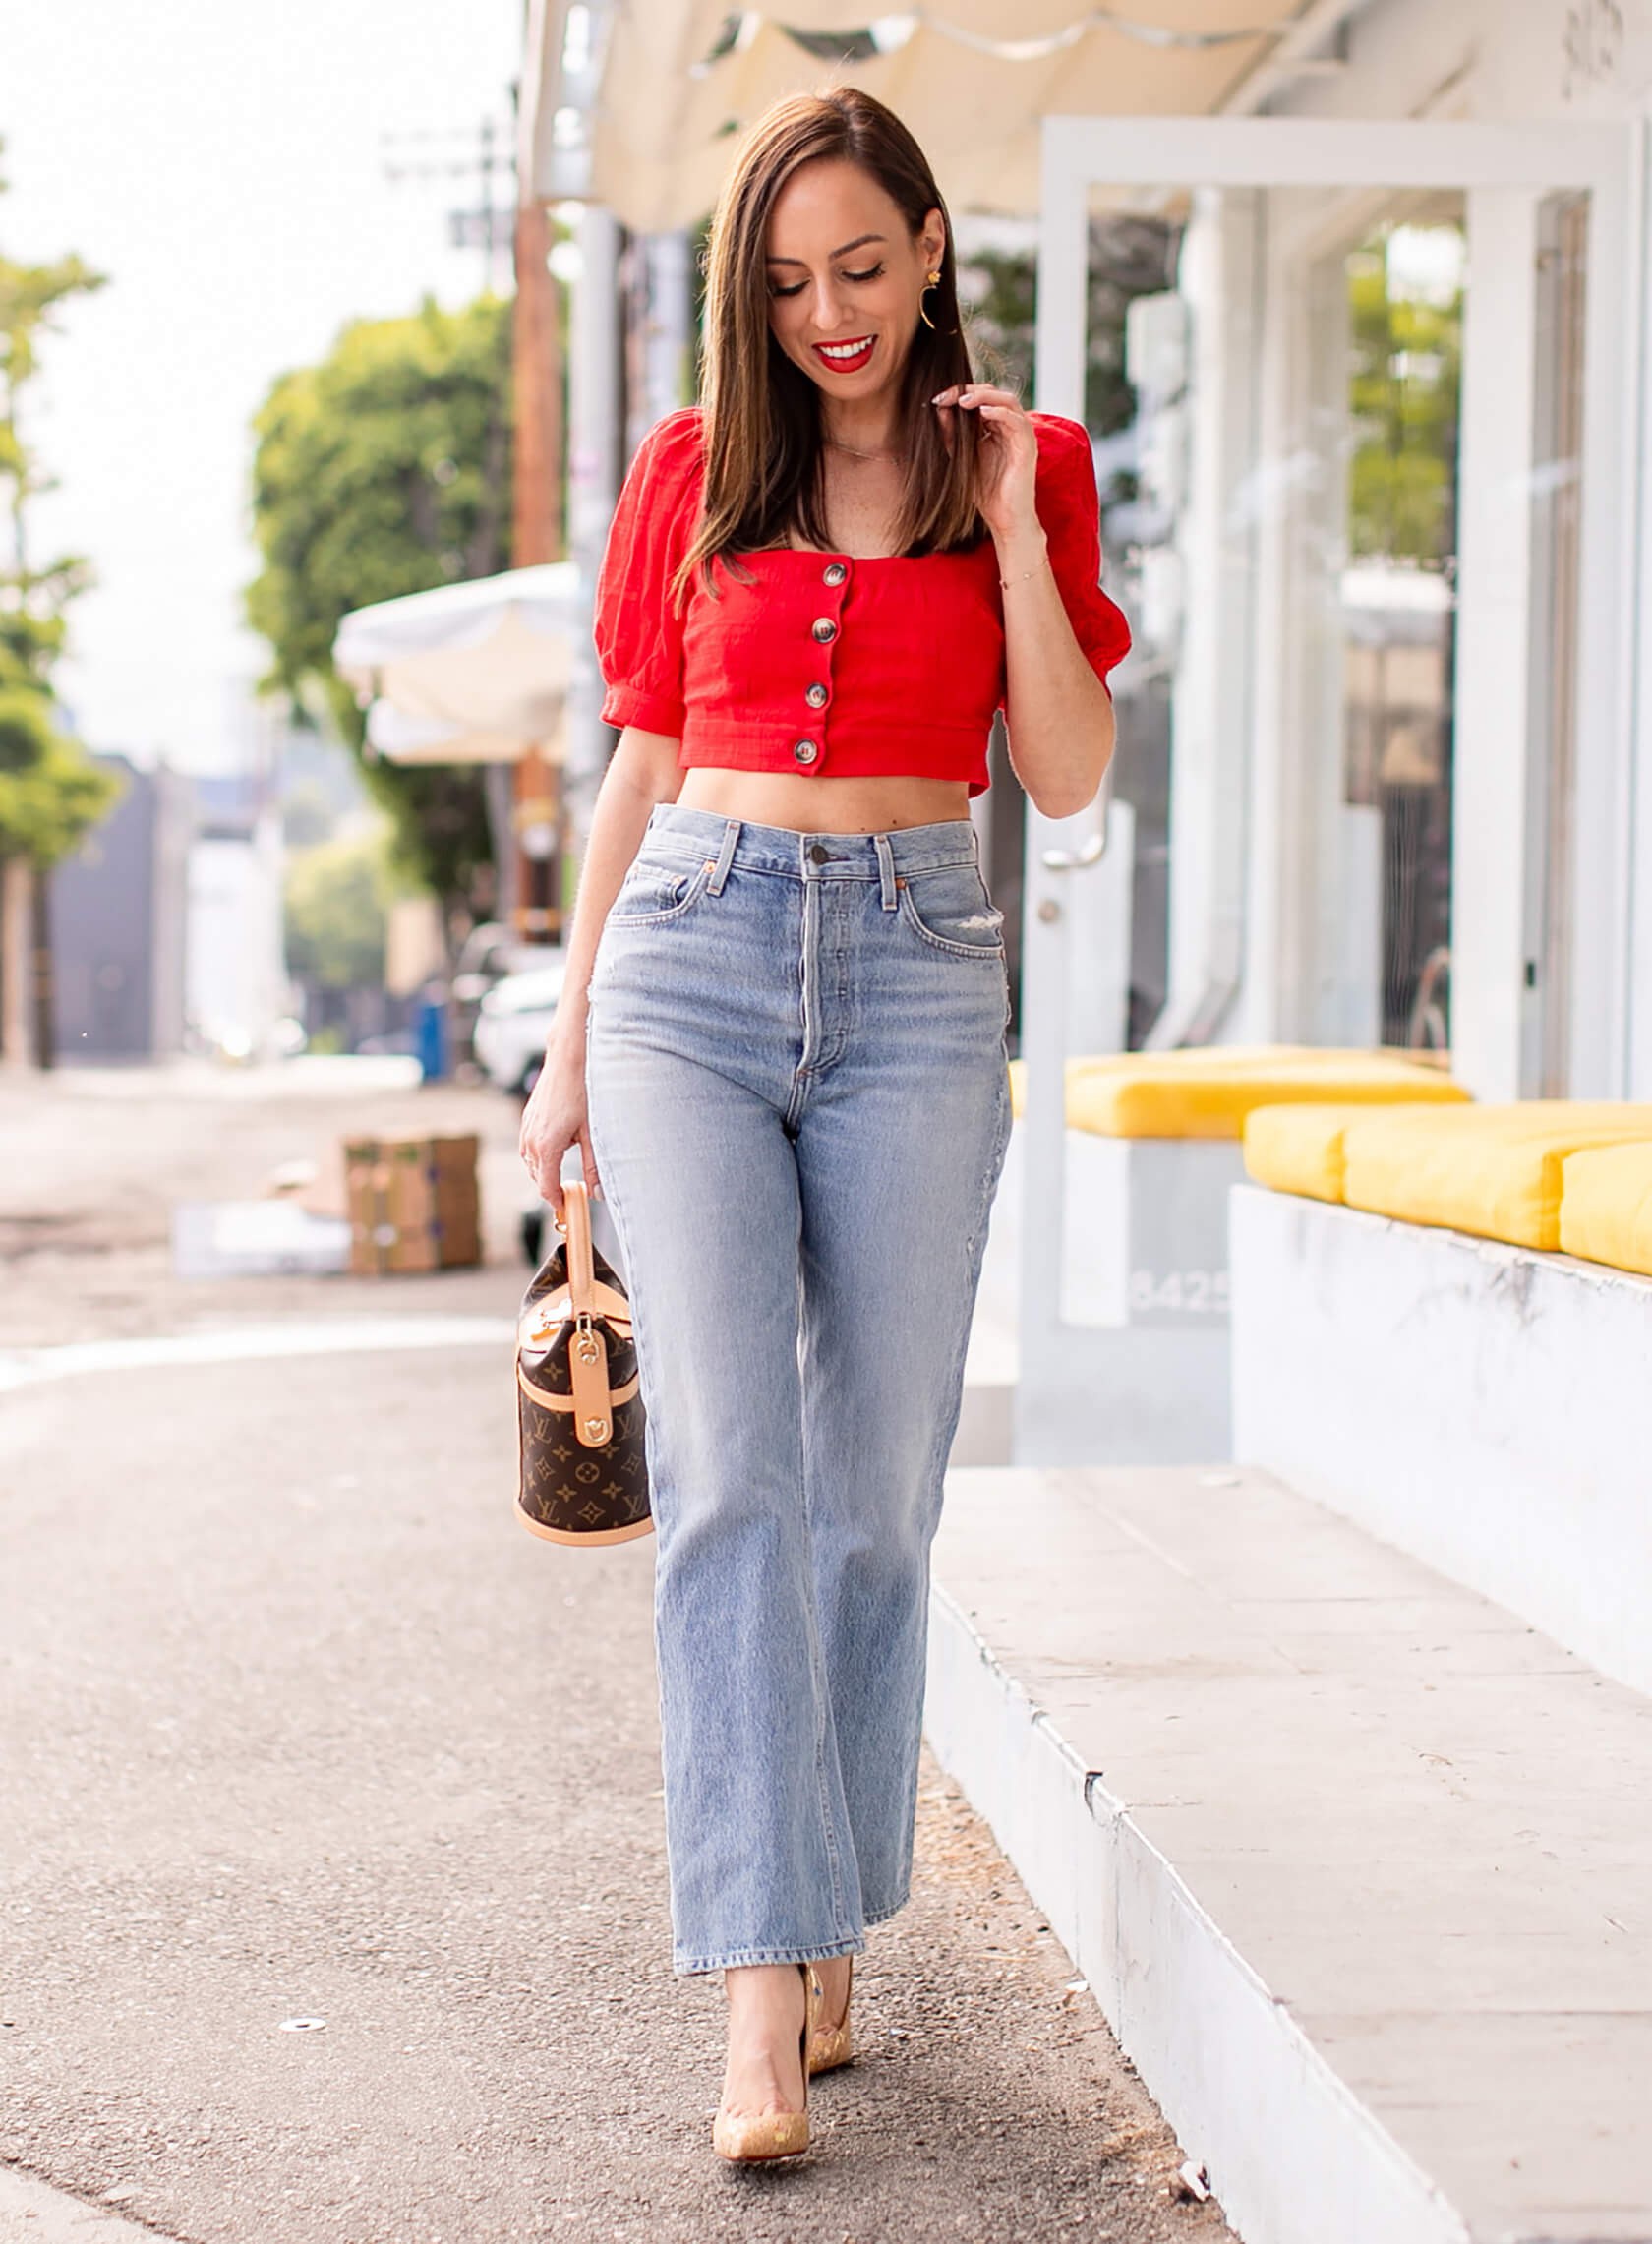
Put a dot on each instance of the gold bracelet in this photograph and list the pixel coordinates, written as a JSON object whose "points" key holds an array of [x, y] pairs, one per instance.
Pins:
{"points": [[1006, 581]]}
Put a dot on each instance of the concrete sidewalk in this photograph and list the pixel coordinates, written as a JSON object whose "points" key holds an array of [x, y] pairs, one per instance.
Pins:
{"points": [[32, 2211], [303, 1725], [1356, 1860]]}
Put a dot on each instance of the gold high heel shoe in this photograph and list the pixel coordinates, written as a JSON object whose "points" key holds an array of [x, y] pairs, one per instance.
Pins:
{"points": [[742, 2136], [833, 2046]]}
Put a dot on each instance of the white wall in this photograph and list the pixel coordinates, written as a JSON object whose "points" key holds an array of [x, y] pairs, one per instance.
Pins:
{"points": [[235, 983], [1480, 1406]]}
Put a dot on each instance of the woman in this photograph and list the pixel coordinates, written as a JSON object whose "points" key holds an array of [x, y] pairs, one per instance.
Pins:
{"points": [[784, 1061]]}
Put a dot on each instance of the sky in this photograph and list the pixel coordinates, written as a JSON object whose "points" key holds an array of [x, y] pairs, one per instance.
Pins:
{"points": [[223, 163]]}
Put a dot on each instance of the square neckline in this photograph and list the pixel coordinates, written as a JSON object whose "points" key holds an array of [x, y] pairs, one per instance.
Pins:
{"points": [[861, 560]]}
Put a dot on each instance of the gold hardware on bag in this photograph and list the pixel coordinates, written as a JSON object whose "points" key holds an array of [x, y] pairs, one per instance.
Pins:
{"points": [[593, 1404]]}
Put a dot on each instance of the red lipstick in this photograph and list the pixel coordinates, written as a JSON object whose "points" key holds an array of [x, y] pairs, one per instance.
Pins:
{"points": [[848, 365]]}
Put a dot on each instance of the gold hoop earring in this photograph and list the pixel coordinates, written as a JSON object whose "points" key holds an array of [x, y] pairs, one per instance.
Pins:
{"points": [[931, 281]]}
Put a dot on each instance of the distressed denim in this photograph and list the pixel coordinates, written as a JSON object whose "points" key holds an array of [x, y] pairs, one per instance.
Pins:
{"points": [[798, 1104]]}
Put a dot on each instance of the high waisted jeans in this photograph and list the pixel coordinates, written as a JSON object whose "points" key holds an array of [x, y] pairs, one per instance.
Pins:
{"points": [[799, 1107]]}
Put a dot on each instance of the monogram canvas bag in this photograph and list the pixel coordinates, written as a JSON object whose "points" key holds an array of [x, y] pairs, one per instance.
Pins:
{"points": [[583, 1474]]}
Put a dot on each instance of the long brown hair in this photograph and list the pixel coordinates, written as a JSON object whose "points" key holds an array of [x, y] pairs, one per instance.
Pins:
{"points": [[761, 413]]}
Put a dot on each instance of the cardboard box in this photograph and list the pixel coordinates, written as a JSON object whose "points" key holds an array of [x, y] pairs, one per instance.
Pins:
{"points": [[413, 1202]]}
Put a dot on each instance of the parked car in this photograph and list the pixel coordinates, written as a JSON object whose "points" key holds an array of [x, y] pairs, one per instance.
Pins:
{"points": [[490, 953], [513, 1019]]}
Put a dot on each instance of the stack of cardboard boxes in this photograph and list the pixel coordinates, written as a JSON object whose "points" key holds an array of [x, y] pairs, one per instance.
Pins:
{"points": [[413, 1202]]}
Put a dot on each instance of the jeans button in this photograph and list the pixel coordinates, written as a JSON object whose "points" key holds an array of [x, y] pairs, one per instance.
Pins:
{"points": [[819, 853]]}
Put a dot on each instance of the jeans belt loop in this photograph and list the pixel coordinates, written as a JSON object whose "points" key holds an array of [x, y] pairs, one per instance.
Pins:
{"points": [[731, 835], [886, 870]]}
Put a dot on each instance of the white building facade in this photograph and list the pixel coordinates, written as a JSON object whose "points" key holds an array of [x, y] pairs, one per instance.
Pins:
{"points": [[1410, 777]]}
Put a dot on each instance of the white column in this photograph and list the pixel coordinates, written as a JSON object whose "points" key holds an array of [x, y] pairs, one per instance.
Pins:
{"points": [[1637, 601], [667, 371], [1260, 1016], [1212, 703], [1492, 692], [593, 485]]}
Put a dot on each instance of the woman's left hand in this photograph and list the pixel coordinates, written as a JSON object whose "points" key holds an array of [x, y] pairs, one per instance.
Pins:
{"points": [[1008, 454]]}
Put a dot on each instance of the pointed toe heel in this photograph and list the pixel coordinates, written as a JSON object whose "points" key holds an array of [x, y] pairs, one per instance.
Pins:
{"points": [[744, 2137]]}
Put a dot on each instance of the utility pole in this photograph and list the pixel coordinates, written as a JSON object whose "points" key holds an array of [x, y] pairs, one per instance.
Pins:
{"points": [[533, 882], [539, 810], [486, 227]]}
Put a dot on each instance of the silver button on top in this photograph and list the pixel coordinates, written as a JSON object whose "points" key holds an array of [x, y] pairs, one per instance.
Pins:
{"points": [[816, 695], [834, 572], [805, 752], [824, 628]]}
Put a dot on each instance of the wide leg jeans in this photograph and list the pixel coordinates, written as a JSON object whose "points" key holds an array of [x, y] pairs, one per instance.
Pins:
{"points": [[798, 1104]]}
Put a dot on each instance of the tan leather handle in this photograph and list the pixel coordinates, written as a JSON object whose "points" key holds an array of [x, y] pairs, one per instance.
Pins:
{"points": [[576, 1227]]}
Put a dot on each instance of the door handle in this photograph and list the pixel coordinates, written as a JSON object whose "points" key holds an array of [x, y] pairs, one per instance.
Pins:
{"points": [[1069, 860], [1094, 847]]}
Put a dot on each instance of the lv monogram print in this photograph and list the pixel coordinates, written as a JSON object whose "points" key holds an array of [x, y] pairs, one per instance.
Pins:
{"points": [[569, 1491]]}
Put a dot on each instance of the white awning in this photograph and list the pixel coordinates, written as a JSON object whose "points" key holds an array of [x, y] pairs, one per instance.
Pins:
{"points": [[974, 79], [404, 740], [467, 673]]}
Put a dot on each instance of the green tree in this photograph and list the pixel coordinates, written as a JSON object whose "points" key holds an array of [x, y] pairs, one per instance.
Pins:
{"points": [[339, 895], [50, 790], [1403, 391], [1128, 257], [47, 808], [385, 471]]}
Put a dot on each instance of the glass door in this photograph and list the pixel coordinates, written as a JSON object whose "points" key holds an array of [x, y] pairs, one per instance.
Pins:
{"points": [[1379, 582]]}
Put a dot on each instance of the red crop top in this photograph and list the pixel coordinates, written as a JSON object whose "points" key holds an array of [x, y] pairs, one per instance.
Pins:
{"points": [[829, 662]]}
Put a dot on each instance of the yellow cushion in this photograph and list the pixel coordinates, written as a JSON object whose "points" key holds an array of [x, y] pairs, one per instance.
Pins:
{"points": [[1493, 1170], [1606, 1206], [1232, 1059], [1300, 1148], [1208, 1092]]}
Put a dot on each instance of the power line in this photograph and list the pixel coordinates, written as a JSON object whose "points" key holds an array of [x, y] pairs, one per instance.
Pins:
{"points": [[487, 227]]}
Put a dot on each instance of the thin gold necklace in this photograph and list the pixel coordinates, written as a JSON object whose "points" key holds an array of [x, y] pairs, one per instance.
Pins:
{"points": [[858, 452]]}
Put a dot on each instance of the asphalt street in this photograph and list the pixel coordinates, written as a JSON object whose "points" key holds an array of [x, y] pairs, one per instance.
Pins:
{"points": [[336, 1904]]}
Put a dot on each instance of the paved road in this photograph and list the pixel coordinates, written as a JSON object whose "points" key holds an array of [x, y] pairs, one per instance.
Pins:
{"points": [[300, 1724]]}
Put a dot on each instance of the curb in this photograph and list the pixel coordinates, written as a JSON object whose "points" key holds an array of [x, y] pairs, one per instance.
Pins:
{"points": [[33, 2212]]}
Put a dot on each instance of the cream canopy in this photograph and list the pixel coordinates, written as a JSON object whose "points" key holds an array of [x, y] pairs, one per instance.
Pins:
{"points": [[468, 672], [678, 79]]}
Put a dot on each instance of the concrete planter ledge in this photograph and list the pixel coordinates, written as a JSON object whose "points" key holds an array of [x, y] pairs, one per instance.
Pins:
{"points": [[1486, 1407], [1351, 1856]]}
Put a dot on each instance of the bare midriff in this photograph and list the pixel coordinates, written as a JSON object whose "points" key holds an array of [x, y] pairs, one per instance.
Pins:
{"points": [[852, 804]]}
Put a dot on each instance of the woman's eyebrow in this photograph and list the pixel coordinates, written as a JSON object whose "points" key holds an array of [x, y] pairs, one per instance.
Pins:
{"points": [[858, 242]]}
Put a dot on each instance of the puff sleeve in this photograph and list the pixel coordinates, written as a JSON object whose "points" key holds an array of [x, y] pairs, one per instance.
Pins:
{"points": [[638, 634], [1069, 510]]}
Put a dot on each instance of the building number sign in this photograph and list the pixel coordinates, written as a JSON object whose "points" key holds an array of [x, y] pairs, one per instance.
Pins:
{"points": [[1592, 44]]}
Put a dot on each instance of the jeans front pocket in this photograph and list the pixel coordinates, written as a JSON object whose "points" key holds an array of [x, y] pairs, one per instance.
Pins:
{"points": [[658, 888], [949, 908]]}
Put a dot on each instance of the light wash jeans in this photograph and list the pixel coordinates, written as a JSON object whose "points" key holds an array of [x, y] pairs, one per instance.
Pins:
{"points": [[798, 1105]]}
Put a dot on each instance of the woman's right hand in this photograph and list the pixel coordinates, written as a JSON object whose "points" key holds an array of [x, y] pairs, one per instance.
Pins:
{"points": [[553, 1119]]}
